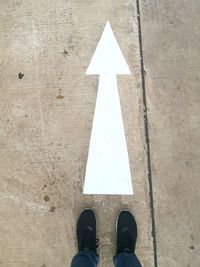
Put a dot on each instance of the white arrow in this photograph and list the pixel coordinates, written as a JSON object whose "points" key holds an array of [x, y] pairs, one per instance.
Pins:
{"points": [[108, 170]]}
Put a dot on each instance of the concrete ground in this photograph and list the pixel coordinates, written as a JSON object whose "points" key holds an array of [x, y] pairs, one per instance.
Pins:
{"points": [[46, 111], [171, 48]]}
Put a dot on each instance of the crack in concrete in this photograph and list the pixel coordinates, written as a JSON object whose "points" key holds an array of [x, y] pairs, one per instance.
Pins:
{"points": [[148, 154]]}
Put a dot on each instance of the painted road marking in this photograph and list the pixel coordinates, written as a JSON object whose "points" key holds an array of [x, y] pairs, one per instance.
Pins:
{"points": [[108, 170]]}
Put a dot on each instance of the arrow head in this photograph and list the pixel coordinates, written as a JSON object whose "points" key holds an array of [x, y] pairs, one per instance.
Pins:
{"points": [[108, 58]]}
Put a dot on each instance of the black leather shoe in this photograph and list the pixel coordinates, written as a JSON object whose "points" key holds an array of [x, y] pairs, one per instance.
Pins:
{"points": [[86, 231], [126, 232]]}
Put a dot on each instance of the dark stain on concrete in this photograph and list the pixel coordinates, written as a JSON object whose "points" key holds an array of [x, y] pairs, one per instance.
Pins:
{"points": [[46, 198], [20, 75], [65, 53], [44, 186], [52, 209], [192, 247], [44, 265], [60, 97]]}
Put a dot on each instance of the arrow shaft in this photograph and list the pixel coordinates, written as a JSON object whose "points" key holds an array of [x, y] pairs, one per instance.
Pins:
{"points": [[108, 161], [108, 108]]}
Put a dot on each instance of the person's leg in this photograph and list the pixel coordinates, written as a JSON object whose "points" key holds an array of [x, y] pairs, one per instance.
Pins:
{"points": [[125, 259], [87, 243], [85, 259], [126, 241]]}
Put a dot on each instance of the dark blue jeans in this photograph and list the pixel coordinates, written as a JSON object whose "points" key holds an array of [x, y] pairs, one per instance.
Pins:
{"points": [[90, 259]]}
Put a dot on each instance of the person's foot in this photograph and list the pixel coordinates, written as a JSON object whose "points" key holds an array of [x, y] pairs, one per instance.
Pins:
{"points": [[126, 232], [86, 231]]}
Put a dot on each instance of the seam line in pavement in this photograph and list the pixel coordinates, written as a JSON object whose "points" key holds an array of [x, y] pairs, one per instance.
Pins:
{"points": [[148, 154]]}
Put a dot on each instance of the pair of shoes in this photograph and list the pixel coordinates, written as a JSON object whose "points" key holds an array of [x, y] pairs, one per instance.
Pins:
{"points": [[126, 232]]}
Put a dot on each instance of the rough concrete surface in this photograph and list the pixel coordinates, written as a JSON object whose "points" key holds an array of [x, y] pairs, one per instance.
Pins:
{"points": [[171, 48], [47, 104]]}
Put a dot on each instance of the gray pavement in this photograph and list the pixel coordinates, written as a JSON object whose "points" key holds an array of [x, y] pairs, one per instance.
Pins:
{"points": [[171, 48]]}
